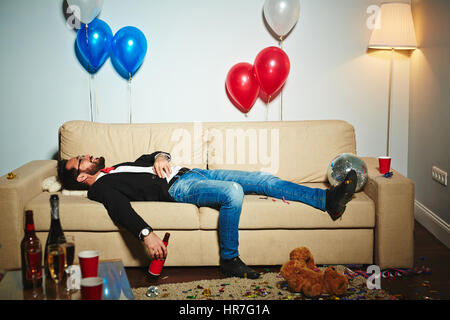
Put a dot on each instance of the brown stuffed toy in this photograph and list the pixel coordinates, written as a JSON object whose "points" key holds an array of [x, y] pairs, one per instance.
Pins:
{"points": [[303, 276]]}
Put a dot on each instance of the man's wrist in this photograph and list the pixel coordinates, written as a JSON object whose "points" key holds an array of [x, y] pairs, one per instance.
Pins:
{"points": [[144, 233], [163, 154]]}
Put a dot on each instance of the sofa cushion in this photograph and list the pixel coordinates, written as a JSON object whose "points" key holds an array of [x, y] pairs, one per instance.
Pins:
{"points": [[271, 213], [79, 213], [299, 151], [126, 142]]}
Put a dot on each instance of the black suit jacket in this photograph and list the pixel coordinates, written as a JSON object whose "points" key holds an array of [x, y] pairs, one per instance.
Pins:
{"points": [[116, 191]]}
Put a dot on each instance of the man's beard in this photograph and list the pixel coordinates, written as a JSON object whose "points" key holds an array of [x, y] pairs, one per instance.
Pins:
{"points": [[97, 166]]}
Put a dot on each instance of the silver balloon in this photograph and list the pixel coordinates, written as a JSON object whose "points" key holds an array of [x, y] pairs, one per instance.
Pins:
{"points": [[85, 10], [281, 15], [342, 164]]}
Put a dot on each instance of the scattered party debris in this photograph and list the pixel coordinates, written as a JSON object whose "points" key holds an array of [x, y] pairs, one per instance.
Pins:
{"points": [[152, 292], [353, 270], [207, 292], [272, 285], [11, 175], [388, 174]]}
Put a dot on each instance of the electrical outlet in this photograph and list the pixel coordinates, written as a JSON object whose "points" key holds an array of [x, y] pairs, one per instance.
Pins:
{"points": [[439, 175]]}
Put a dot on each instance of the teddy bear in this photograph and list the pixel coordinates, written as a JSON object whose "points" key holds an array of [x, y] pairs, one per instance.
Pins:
{"points": [[303, 276]]}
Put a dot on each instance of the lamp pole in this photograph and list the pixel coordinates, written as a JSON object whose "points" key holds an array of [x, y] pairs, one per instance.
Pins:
{"points": [[389, 104]]}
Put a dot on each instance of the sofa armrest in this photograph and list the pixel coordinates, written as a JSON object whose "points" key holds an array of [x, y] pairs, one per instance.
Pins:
{"points": [[14, 195], [394, 221]]}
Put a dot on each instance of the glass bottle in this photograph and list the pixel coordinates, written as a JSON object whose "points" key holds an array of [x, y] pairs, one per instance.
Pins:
{"points": [[31, 254], [157, 264], [55, 234]]}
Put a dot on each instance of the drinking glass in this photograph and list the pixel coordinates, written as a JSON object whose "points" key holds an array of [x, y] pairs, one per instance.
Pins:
{"points": [[69, 254], [33, 257], [69, 250], [55, 261]]}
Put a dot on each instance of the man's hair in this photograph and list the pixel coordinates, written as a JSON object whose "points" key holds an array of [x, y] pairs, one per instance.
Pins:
{"points": [[68, 178]]}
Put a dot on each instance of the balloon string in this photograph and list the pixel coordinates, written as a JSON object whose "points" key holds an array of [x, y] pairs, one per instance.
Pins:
{"points": [[95, 93], [87, 39], [281, 93], [281, 105], [267, 109], [90, 97], [129, 90]]}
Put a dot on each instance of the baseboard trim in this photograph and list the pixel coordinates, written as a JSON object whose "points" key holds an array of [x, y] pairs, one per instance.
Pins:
{"points": [[432, 222]]}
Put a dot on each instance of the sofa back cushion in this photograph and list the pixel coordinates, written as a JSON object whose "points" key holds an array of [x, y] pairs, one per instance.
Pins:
{"points": [[299, 151], [127, 142]]}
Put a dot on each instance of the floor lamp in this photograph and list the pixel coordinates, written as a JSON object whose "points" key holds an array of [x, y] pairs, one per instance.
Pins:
{"points": [[395, 31]]}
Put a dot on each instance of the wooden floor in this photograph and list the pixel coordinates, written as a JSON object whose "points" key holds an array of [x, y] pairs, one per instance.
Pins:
{"points": [[429, 255]]}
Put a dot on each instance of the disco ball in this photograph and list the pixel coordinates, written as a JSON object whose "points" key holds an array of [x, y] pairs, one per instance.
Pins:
{"points": [[342, 164]]}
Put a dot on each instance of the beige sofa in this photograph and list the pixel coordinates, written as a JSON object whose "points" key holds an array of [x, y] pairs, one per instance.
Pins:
{"points": [[377, 227]]}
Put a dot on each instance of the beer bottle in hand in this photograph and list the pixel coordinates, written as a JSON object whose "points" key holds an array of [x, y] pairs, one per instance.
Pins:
{"points": [[157, 264]]}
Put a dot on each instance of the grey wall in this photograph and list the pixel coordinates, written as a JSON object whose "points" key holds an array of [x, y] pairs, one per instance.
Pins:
{"points": [[429, 132]]}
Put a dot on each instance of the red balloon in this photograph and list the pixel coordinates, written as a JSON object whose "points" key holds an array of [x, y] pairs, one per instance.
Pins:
{"points": [[272, 69], [265, 98], [242, 86]]}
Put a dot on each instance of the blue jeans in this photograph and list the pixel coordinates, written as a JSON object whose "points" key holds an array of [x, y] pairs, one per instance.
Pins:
{"points": [[225, 189]]}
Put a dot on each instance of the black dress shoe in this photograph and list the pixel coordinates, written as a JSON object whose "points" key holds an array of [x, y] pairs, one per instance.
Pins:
{"points": [[337, 197], [236, 268]]}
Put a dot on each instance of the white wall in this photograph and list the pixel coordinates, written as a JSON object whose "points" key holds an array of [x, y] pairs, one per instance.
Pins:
{"points": [[192, 45]]}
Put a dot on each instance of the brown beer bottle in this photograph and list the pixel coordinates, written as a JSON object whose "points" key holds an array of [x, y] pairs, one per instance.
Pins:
{"points": [[31, 254]]}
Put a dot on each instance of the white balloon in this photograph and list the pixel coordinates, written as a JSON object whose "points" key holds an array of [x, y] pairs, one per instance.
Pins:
{"points": [[88, 9], [281, 15]]}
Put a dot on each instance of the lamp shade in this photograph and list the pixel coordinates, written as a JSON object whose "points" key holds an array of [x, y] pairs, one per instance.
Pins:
{"points": [[397, 28]]}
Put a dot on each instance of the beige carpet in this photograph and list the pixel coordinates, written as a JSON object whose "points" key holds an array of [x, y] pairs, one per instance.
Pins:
{"points": [[270, 286]]}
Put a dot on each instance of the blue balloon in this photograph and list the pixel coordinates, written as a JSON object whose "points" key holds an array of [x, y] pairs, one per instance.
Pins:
{"points": [[83, 61], [129, 47], [94, 43]]}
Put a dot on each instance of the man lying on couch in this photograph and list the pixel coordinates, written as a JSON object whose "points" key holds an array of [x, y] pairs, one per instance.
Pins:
{"points": [[151, 178]]}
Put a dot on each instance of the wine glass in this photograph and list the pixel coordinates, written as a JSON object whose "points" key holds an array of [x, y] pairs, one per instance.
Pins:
{"points": [[69, 250], [69, 254], [33, 259], [55, 262]]}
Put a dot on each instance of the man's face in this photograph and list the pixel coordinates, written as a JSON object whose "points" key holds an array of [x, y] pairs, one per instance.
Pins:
{"points": [[86, 163]]}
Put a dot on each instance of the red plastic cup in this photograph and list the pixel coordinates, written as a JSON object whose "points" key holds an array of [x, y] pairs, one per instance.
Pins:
{"points": [[91, 288], [385, 164], [88, 263]]}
